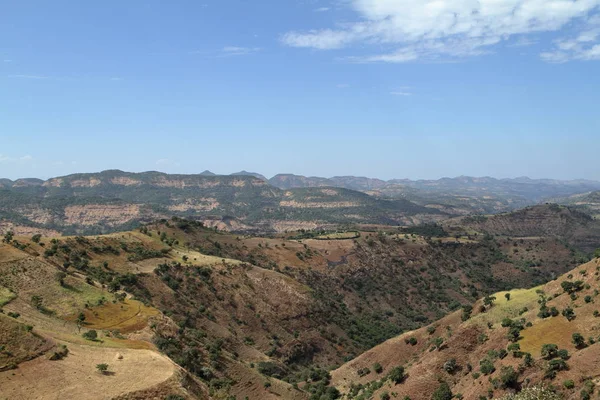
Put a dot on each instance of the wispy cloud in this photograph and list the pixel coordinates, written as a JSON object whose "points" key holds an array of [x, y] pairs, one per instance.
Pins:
{"points": [[230, 51], [36, 77], [322, 9], [584, 46], [395, 93], [4, 159], [414, 30]]}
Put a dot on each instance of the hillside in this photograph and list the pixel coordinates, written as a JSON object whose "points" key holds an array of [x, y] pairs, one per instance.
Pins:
{"points": [[114, 200], [550, 220], [238, 315], [462, 195], [524, 337], [587, 202]]}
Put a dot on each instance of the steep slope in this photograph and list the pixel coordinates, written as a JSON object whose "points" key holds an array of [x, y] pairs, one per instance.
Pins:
{"points": [[243, 314], [496, 347]]}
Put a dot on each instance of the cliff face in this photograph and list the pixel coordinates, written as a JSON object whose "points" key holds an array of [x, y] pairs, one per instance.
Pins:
{"points": [[116, 200]]}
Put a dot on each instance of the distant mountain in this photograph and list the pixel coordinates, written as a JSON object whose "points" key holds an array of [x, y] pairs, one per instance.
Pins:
{"points": [[254, 174], [291, 181], [207, 173], [114, 200]]}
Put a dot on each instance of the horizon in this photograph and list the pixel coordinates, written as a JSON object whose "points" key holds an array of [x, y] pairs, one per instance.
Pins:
{"points": [[268, 177], [361, 87]]}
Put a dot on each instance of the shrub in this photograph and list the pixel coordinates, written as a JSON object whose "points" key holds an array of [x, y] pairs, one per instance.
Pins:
{"points": [[102, 368], [384, 396], [377, 368], [396, 375], [508, 377], [486, 366], [569, 384], [90, 335], [578, 340], [450, 365], [443, 392], [549, 351]]}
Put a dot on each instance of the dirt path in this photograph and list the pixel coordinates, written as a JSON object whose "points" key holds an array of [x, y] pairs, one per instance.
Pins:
{"points": [[75, 377]]}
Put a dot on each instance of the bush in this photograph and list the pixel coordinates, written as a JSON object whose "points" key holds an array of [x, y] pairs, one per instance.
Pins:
{"points": [[450, 365], [569, 384], [102, 368], [90, 335], [508, 377], [377, 368], [443, 392], [384, 396], [578, 340], [486, 366], [549, 351], [396, 375]]}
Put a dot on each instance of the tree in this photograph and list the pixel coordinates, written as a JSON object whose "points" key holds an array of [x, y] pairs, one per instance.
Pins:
{"points": [[8, 237], [396, 375], [489, 300], [507, 295], [443, 392], [508, 377], [377, 368], [438, 342], [569, 314], [91, 335], [450, 365], [549, 351], [384, 396], [102, 368], [36, 238], [578, 340], [60, 277]]}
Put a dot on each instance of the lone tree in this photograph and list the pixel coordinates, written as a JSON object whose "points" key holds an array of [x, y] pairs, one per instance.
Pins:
{"points": [[396, 375], [489, 300], [578, 340], [91, 335], [507, 295], [102, 368]]}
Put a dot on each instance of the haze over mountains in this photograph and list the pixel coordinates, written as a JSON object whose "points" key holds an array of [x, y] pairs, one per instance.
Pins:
{"points": [[246, 201]]}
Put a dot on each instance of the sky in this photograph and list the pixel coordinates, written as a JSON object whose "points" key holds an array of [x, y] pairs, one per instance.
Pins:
{"points": [[417, 89]]}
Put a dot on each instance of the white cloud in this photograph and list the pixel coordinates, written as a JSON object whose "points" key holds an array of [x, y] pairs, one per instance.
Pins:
{"points": [[322, 9], [238, 51], [430, 29], [401, 93], [585, 45]]}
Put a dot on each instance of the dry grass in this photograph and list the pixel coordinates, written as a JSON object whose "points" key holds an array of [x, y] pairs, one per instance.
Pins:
{"points": [[126, 317], [6, 296], [75, 377]]}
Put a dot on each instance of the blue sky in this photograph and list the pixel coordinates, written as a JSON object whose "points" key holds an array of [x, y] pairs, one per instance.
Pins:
{"points": [[380, 88]]}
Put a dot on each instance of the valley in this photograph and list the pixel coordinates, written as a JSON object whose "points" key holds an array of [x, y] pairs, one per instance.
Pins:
{"points": [[226, 315]]}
